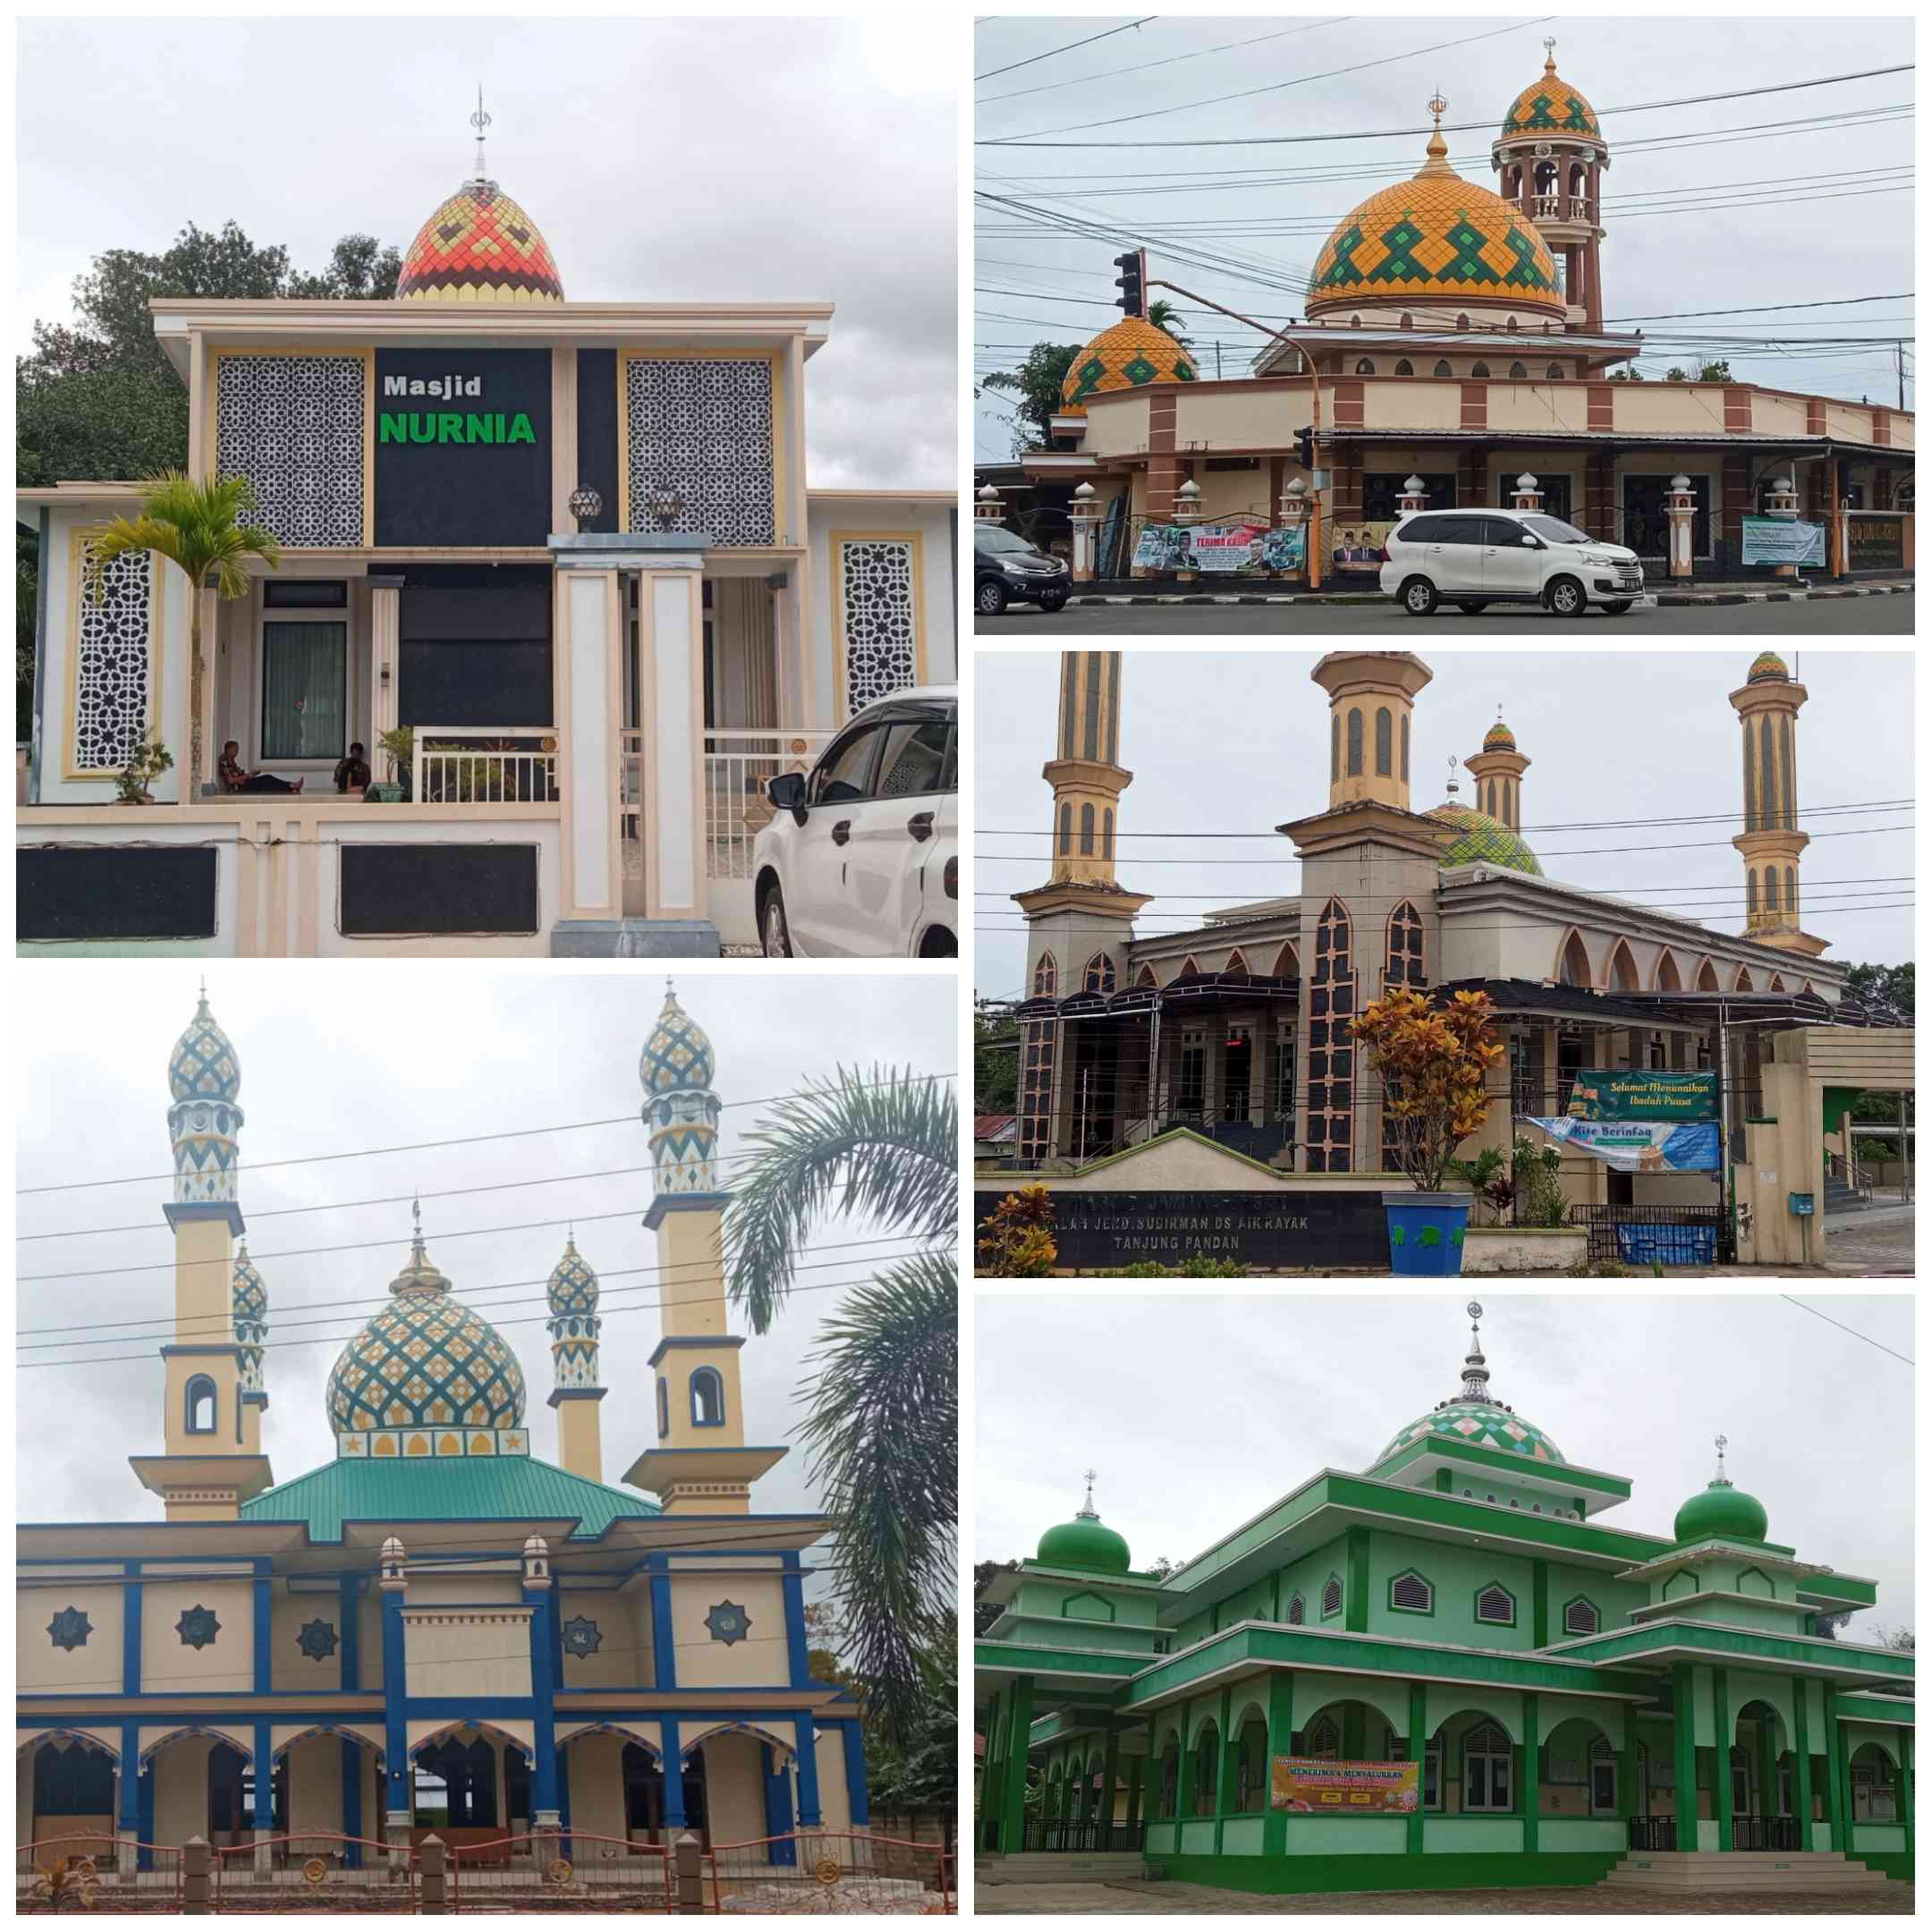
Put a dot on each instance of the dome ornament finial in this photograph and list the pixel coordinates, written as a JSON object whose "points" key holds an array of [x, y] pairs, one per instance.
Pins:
{"points": [[1087, 1512], [1549, 54], [1722, 1442], [1438, 149], [479, 121], [1475, 1366]]}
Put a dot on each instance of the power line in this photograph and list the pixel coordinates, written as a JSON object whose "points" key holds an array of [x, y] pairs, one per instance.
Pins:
{"points": [[1172, 60], [419, 1147], [1880, 1346], [1842, 301], [1033, 59]]}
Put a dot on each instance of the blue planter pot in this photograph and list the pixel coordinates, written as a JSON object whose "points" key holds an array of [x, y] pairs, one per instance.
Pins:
{"points": [[1425, 1233]]}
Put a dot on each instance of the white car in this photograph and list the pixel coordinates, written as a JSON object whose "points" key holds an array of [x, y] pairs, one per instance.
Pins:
{"points": [[1472, 558], [860, 860]]}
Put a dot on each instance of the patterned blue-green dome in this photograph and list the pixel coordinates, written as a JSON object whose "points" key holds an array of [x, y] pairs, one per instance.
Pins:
{"points": [[1474, 1416], [677, 1058], [1486, 841], [250, 1295], [203, 1065], [574, 1284]]}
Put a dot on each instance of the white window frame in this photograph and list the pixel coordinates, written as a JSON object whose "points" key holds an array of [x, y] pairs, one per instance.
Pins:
{"points": [[1601, 1759], [342, 613], [1488, 1760]]}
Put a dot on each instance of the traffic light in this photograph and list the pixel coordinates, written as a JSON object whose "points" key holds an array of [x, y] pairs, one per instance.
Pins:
{"points": [[1131, 283], [1304, 449]]}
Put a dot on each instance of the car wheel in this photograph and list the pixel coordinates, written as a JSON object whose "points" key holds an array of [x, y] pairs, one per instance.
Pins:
{"points": [[1619, 608], [1472, 610], [1054, 600], [1419, 598], [773, 930], [1565, 597], [990, 597]]}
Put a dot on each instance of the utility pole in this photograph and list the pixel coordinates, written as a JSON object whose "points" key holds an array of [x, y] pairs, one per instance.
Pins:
{"points": [[1898, 351]]}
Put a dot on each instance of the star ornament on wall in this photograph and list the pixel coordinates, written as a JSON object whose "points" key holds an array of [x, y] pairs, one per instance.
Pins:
{"points": [[198, 1627], [69, 1629], [582, 1638], [728, 1623], [316, 1640]]}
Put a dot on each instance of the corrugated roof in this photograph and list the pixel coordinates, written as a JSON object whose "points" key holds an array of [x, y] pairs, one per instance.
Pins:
{"points": [[463, 1488]]}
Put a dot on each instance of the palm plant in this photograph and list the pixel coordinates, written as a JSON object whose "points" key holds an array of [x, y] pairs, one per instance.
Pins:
{"points": [[1163, 314], [197, 528], [882, 1400]]}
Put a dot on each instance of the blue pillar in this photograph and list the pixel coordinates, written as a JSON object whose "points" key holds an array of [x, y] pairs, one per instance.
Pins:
{"points": [[795, 1620], [395, 1692], [777, 1809], [147, 1816], [810, 1816], [351, 1798], [264, 1780], [855, 1775], [127, 1786], [130, 1632], [351, 1635], [673, 1771], [264, 1628], [543, 1766], [563, 1788], [664, 1653]]}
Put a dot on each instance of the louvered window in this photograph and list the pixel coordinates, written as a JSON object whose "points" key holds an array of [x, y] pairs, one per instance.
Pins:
{"points": [[1331, 1597], [1325, 1740], [1495, 1604], [1297, 1608], [1410, 1592], [1579, 1619]]}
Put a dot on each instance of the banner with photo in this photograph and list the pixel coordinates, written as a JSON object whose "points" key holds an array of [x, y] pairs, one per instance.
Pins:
{"points": [[1637, 1093], [1779, 540], [1640, 1147], [1217, 549], [1360, 1790]]}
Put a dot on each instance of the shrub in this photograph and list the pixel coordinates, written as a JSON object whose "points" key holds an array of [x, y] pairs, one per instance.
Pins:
{"points": [[1539, 1195], [146, 763], [1434, 1063], [1015, 1241]]}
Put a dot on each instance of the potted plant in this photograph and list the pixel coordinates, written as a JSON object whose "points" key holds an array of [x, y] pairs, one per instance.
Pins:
{"points": [[400, 743], [146, 762], [1434, 1063]]}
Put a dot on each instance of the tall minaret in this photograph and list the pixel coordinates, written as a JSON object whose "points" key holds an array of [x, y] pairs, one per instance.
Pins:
{"points": [[1551, 157], [574, 1325], [213, 1459], [1497, 769], [249, 1303], [701, 1466], [1768, 704], [1085, 771], [1370, 697]]}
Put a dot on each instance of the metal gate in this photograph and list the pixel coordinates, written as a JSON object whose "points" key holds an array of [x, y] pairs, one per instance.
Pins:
{"points": [[313, 1871], [817, 1871], [1674, 1237], [560, 1871], [57, 1874]]}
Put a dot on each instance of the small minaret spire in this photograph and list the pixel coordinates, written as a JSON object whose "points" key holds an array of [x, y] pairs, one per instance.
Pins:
{"points": [[1087, 1512], [574, 1328], [1723, 1443], [479, 121], [1475, 1366]]}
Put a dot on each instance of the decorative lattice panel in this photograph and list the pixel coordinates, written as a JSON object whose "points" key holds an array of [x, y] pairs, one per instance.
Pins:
{"points": [[293, 426], [875, 580], [703, 427], [110, 661]]}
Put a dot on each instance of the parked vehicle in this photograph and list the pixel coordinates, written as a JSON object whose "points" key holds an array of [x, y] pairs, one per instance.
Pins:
{"points": [[1473, 558], [1009, 570], [860, 859]]}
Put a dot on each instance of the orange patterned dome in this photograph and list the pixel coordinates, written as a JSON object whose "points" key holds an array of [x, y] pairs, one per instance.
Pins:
{"points": [[1549, 105], [1436, 239], [1130, 353], [479, 246]]}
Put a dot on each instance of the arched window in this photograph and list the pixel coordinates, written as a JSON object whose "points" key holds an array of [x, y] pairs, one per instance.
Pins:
{"points": [[706, 1399], [1554, 372], [1328, 1132], [1744, 983], [1486, 1786], [1170, 1780], [1106, 832], [1751, 892], [1574, 969], [1335, 748], [1707, 979], [1298, 1608], [1324, 1738], [1442, 369], [1771, 889], [1785, 772], [1461, 321], [1146, 977], [664, 1408], [1098, 976], [1331, 1597], [1491, 807], [1253, 1792], [1354, 742], [1206, 1768], [1365, 366], [1666, 979], [1413, 1592], [1791, 890], [1066, 828], [1777, 983], [1481, 369], [1402, 965], [198, 1406], [1405, 748], [1045, 976], [1623, 974], [1405, 367], [1085, 830], [1237, 965], [1774, 814], [1750, 783], [1495, 1604], [1287, 964], [1384, 743], [1517, 373]]}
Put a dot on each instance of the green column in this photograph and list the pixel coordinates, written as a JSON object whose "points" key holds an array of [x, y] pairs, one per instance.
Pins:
{"points": [[1802, 1753], [1684, 1751], [1280, 1744], [1835, 1778], [1227, 1771], [1109, 1778], [1416, 1822], [1530, 1797], [1904, 1782], [1012, 1793], [990, 1776], [1768, 1781], [1630, 1788], [1189, 1772], [1539, 1603], [1136, 1772], [1355, 1581], [1721, 1763]]}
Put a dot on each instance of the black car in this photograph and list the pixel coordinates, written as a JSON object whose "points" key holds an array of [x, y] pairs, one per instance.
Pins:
{"points": [[1009, 570]]}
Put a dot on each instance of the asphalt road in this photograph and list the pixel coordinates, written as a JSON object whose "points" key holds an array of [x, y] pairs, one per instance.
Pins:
{"points": [[1852, 616]]}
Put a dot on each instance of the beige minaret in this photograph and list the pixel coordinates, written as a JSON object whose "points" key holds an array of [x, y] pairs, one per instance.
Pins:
{"points": [[212, 1461], [1768, 704], [701, 1465], [1085, 771], [1497, 769], [1370, 695]]}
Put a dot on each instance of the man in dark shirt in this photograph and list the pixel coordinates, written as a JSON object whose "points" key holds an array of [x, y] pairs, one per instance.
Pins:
{"points": [[353, 773], [235, 779]]}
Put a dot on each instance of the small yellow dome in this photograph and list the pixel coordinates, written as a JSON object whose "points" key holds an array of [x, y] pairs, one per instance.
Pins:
{"points": [[1132, 353], [1549, 105]]}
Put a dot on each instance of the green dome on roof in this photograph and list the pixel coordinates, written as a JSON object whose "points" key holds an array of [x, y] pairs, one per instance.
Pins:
{"points": [[1086, 1543], [1765, 666], [1486, 841], [1475, 1416], [1499, 737], [1720, 1510]]}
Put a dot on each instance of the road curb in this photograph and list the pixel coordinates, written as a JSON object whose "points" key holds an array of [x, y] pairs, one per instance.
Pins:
{"points": [[1663, 599]]}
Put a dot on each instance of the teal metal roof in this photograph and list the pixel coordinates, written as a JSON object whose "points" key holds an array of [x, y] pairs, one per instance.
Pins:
{"points": [[453, 1488]]}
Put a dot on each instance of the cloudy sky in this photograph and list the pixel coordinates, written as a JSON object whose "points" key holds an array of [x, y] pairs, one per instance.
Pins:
{"points": [[665, 160], [1199, 1411], [1239, 742], [1707, 206], [382, 1058]]}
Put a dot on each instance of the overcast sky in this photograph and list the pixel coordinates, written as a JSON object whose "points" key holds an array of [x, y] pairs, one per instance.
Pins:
{"points": [[1792, 245], [1239, 742], [382, 1057], [663, 159], [1199, 1411]]}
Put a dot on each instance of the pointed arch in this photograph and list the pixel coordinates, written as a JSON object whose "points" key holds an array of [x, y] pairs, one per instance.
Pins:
{"points": [[1100, 975], [1287, 964], [1404, 963], [1619, 972], [1809, 988], [352, 1733], [492, 1733], [1572, 960], [236, 1740], [1707, 975], [1665, 978], [1742, 983], [632, 1733], [1189, 965], [1145, 977], [1046, 977], [761, 1732], [31, 1741], [1237, 962], [1777, 983]]}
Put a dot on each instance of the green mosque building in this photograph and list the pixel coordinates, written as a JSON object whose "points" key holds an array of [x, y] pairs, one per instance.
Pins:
{"points": [[1446, 1672]]}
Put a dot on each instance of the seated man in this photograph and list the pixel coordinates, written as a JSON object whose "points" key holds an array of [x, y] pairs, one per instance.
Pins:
{"points": [[228, 767], [353, 773]]}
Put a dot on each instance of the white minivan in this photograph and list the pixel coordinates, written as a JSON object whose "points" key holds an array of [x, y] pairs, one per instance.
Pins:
{"points": [[860, 860], [1473, 558]]}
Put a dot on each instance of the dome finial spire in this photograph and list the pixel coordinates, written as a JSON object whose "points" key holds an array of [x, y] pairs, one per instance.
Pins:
{"points": [[1087, 1512], [1549, 54], [1723, 1443], [1438, 149], [479, 121], [1475, 1367]]}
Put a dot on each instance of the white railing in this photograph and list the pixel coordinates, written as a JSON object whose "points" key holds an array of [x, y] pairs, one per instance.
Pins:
{"points": [[738, 765], [484, 765]]}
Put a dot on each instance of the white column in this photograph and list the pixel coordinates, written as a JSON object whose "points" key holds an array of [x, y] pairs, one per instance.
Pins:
{"points": [[386, 670], [1679, 505], [590, 634], [670, 675]]}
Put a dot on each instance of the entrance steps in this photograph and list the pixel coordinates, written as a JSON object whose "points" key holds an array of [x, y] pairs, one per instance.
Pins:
{"points": [[1744, 1871], [1060, 1867]]}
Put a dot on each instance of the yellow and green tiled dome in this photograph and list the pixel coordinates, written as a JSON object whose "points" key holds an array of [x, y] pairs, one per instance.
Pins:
{"points": [[1436, 239], [1475, 1417], [427, 1377], [479, 247], [1486, 841], [1499, 737], [1129, 355], [677, 1058], [1767, 668], [1549, 105]]}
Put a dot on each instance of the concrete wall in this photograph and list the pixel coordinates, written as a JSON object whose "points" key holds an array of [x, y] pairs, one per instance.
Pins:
{"points": [[597, 1784], [171, 1665], [734, 1787], [94, 1666], [761, 1658], [938, 606]]}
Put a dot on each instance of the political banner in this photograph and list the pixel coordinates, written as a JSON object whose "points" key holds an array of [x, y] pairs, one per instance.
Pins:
{"points": [[1286, 549], [1161, 549], [1636, 1093], [1780, 540], [1640, 1147], [1223, 549], [1217, 549], [1363, 1790]]}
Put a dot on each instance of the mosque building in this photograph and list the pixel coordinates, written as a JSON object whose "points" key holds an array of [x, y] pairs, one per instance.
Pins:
{"points": [[1453, 353], [1447, 1672], [570, 547], [437, 1630], [1139, 1047]]}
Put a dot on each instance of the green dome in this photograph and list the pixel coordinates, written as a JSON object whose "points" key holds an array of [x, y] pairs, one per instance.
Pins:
{"points": [[1722, 1511], [1486, 841], [1768, 667], [1085, 1543]]}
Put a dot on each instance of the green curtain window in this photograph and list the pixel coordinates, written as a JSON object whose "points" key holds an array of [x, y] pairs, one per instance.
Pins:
{"points": [[304, 673]]}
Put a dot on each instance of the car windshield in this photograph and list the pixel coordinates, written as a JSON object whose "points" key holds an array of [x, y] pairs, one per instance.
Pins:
{"points": [[1556, 530], [1002, 541]]}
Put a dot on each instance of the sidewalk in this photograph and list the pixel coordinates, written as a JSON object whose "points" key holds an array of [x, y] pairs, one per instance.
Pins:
{"points": [[1152, 593]]}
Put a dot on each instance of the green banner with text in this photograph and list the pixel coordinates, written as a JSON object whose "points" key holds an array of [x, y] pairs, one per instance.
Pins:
{"points": [[1638, 1094]]}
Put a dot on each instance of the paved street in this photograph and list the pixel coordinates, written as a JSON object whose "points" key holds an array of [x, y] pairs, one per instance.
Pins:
{"points": [[1571, 1900], [1871, 1240], [1848, 617]]}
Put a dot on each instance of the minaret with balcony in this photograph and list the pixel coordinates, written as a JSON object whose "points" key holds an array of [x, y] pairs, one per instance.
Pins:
{"points": [[1771, 844], [1549, 160]]}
